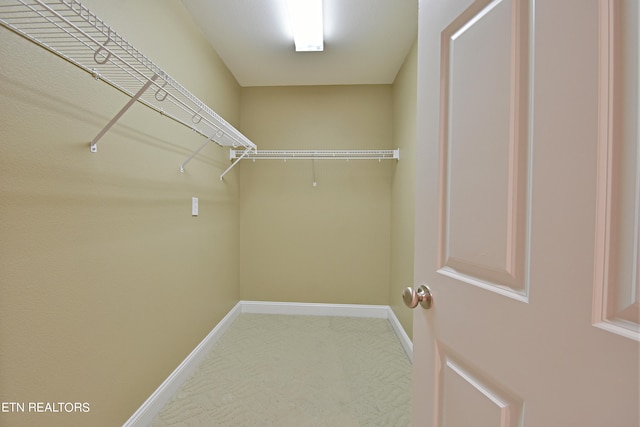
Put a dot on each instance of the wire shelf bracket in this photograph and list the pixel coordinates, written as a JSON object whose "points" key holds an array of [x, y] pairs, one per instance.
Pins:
{"points": [[69, 30], [245, 153], [134, 98]]}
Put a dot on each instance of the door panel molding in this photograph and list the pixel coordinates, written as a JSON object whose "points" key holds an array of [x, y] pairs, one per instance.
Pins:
{"points": [[471, 397], [492, 206], [616, 302]]}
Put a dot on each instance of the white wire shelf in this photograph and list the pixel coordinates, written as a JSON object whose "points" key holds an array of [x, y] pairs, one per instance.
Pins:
{"points": [[315, 154], [69, 30]]}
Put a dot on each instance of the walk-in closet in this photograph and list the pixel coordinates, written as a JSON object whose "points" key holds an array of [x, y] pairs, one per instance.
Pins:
{"points": [[149, 197]]}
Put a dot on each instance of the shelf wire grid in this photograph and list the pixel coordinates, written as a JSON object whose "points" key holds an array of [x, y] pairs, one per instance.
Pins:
{"points": [[317, 154], [69, 30]]}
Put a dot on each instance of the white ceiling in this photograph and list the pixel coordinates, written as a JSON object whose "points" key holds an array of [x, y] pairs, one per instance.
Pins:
{"points": [[365, 41]]}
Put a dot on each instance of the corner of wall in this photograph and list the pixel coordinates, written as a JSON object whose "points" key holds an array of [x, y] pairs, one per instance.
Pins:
{"points": [[403, 188]]}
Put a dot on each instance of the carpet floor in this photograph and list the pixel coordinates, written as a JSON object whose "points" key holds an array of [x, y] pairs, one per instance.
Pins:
{"points": [[277, 370]]}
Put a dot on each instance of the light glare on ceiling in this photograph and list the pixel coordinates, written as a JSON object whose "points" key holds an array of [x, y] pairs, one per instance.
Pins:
{"points": [[305, 17]]}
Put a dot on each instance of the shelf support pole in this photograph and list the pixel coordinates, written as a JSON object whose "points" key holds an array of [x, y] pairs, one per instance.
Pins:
{"points": [[195, 153], [124, 109], [236, 162]]}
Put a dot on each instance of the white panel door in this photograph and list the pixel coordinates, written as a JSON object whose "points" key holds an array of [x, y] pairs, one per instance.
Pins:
{"points": [[528, 199]]}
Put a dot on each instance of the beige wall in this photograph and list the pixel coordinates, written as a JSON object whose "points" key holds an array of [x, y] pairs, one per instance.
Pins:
{"points": [[106, 281], [325, 244], [350, 239], [403, 188]]}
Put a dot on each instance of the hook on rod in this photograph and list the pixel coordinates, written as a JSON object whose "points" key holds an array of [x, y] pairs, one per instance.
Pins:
{"points": [[196, 118], [161, 94], [98, 53], [313, 168]]}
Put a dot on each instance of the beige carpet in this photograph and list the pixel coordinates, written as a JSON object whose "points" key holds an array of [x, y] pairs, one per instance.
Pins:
{"points": [[275, 370]]}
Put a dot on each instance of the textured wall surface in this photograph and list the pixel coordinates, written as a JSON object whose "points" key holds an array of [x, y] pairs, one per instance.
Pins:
{"points": [[106, 281], [329, 243]]}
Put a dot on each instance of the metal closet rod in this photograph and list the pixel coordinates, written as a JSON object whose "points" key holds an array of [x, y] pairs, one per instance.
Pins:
{"points": [[315, 154], [72, 32]]}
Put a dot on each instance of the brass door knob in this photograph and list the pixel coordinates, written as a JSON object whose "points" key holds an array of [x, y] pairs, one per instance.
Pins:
{"points": [[420, 296]]}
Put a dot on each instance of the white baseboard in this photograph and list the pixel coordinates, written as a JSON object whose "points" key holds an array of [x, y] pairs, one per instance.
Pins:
{"points": [[154, 404], [311, 309], [405, 341]]}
